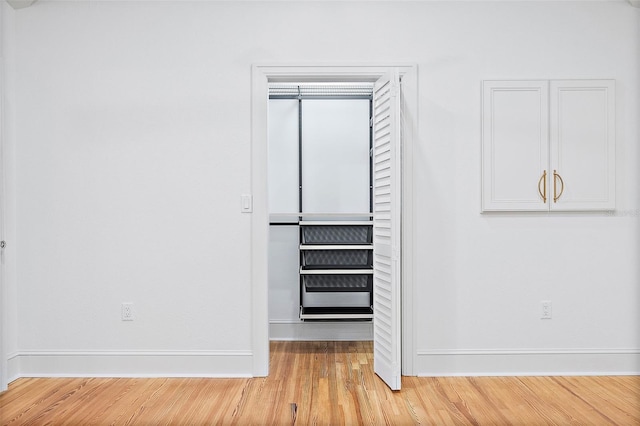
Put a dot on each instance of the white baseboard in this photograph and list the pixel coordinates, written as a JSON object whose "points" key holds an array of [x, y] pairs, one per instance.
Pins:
{"points": [[215, 364], [130, 364], [558, 362], [321, 330], [13, 369]]}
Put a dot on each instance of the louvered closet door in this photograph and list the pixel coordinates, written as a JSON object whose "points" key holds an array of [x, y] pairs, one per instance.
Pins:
{"points": [[386, 230]]}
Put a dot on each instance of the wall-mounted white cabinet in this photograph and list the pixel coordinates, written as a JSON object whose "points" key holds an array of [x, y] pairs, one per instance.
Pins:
{"points": [[548, 145]]}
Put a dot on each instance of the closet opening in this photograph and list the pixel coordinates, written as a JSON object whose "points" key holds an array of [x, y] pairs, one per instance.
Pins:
{"points": [[395, 100], [320, 185]]}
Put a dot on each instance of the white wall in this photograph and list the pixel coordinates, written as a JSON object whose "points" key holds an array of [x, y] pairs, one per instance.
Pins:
{"points": [[283, 174], [9, 292], [335, 156], [132, 146]]}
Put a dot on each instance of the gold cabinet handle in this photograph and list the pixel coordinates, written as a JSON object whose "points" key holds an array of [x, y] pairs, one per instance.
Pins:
{"points": [[543, 193], [557, 196]]}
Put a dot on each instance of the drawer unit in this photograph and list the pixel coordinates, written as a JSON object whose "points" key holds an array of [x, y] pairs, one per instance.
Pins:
{"points": [[337, 282], [336, 257], [345, 233]]}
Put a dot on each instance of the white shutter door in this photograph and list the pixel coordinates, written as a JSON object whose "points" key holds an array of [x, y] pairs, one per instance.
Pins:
{"points": [[386, 230]]}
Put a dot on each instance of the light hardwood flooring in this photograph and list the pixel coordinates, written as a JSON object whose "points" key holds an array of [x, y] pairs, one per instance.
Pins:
{"points": [[325, 383]]}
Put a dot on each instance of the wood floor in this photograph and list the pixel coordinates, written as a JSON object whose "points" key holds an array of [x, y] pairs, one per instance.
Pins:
{"points": [[326, 383]]}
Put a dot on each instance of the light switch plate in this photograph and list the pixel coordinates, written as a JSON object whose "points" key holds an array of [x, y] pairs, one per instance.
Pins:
{"points": [[246, 203]]}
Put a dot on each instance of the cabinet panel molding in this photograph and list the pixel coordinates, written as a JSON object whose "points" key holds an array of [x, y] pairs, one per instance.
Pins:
{"points": [[515, 127], [582, 142]]}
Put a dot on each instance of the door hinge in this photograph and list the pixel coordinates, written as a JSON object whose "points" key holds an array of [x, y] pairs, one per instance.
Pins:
{"points": [[394, 90]]}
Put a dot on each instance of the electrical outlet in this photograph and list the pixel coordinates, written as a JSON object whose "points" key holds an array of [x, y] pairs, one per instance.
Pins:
{"points": [[127, 312], [545, 312]]}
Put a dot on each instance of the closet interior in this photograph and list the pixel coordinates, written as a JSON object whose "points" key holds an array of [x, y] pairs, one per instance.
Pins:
{"points": [[320, 202]]}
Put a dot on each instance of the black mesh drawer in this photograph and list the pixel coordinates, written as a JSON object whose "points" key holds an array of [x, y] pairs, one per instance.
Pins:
{"points": [[337, 259], [338, 282], [336, 234]]}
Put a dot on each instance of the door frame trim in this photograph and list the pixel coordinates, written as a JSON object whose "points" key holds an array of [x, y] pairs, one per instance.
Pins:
{"points": [[261, 75], [4, 362]]}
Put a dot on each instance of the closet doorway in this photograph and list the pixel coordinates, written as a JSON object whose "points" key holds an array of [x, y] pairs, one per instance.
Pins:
{"points": [[320, 211], [393, 109]]}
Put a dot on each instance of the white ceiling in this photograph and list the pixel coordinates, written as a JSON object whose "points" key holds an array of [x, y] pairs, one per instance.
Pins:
{"points": [[19, 4]]}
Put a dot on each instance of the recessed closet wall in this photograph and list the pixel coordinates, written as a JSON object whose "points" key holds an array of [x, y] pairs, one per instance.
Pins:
{"points": [[319, 162]]}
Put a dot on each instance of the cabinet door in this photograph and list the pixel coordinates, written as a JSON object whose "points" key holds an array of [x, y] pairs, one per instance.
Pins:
{"points": [[582, 141], [515, 129]]}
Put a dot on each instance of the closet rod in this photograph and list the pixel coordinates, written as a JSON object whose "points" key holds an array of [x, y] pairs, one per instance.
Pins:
{"points": [[320, 97]]}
